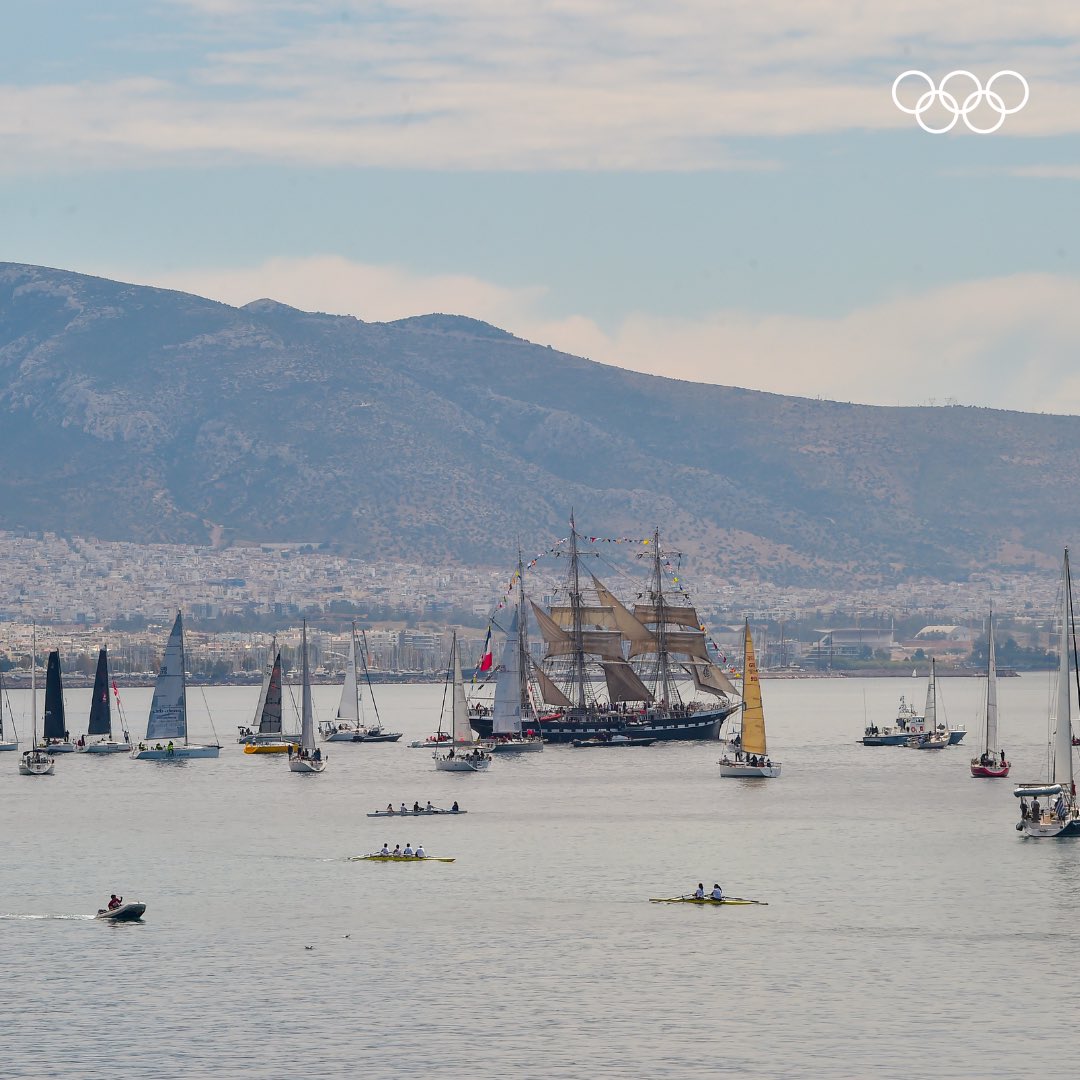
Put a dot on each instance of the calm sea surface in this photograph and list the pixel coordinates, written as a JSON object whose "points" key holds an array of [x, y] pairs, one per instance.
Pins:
{"points": [[910, 931]]}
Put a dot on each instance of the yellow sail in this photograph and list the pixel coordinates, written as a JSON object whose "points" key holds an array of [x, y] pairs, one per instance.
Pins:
{"points": [[753, 715]]}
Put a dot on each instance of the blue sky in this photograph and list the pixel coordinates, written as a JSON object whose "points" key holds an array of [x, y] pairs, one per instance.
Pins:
{"points": [[709, 190]]}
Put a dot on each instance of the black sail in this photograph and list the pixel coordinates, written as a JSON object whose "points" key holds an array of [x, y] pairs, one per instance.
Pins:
{"points": [[100, 709], [55, 723]]}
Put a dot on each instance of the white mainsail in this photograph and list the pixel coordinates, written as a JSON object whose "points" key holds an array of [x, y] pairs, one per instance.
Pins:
{"points": [[462, 729], [930, 713], [1063, 770], [506, 708], [307, 726], [348, 711], [991, 695], [168, 710]]}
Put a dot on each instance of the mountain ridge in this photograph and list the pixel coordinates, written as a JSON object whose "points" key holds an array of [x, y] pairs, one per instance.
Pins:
{"points": [[447, 438]]}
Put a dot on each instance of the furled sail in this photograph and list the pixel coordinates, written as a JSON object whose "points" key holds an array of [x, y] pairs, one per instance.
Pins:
{"points": [[100, 707], [710, 679], [549, 692], [753, 716], [55, 722], [506, 708], [270, 713], [623, 683], [168, 710]]}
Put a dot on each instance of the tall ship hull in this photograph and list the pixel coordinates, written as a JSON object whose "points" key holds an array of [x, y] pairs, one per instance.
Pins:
{"points": [[565, 727]]}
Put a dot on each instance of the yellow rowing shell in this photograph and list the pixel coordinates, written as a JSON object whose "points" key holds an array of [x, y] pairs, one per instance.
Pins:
{"points": [[396, 858], [267, 748]]}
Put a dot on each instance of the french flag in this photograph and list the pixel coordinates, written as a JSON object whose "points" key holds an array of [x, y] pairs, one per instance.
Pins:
{"points": [[485, 657]]}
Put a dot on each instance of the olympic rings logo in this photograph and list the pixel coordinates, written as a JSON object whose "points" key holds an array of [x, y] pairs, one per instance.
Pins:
{"points": [[952, 105]]}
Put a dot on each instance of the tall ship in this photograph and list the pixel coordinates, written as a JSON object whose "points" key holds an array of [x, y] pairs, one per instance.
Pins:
{"points": [[636, 670]]}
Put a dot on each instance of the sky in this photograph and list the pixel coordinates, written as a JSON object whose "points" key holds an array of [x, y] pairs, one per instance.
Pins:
{"points": [[705, 189]]}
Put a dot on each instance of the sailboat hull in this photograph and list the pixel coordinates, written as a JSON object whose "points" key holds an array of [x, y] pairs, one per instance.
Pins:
{"points": [[701, 726], [1042, 830], [461, 764], [307, 765], [58, 748], [989, 772], [39, 766], [514, 746], [740, 770], [105, 748], [956, 736], [8, 746], [177, 753]]}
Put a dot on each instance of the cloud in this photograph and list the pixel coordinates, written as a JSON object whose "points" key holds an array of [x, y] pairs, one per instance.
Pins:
{"points": [[593, 84], [1007, 342]]}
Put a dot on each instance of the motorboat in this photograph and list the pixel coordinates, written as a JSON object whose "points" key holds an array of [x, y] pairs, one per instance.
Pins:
{"points": [[131, 912]]}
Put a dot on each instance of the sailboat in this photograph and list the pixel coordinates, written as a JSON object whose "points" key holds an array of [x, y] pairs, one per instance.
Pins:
{"points": [[309, 759], [513, 718], [9, 737], [749, 755], [168, 719], [1061, 817], [348, 725], [930, 738], [55, 737], [100, 723], [621, 670], [991, 762], [463, 753], [268, 739], [35, 762]]}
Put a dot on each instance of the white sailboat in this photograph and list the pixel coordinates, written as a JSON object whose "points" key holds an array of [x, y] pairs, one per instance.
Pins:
{"points": [[748, 754], [513, 716], [35, 762], [167, 724], [991, 763], [1058, 814], [348, 725], [930, 738], [310, 758], [9, 737], [463, 754]]}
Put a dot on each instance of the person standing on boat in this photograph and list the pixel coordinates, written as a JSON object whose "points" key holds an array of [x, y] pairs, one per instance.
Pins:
{"points": [[717, 893], [699, 892]]}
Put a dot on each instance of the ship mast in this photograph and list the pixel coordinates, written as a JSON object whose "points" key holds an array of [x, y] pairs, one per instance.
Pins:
{"points": [[523, 639], [663, 667], [575, 610]]}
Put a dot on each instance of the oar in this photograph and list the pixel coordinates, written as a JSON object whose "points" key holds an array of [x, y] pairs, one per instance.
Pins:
{"points": [[743, 899]]}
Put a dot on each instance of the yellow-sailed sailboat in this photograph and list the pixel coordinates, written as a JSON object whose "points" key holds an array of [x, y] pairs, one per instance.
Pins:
{"points": [[747, 754]]}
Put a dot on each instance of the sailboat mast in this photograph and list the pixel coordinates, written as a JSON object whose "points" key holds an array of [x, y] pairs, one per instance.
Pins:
{"points": [[1063, 773], [991, 689], [663, 672], [523, 639], [33, 681], [183, 677], [575, 610], [307, 728]]}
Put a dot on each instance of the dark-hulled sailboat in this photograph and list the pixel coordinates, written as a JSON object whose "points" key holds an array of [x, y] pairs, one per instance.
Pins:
{"points": [[620, 670]]}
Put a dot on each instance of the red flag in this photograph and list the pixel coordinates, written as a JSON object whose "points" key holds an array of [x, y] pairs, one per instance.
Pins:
{"points": [[485, 659]]}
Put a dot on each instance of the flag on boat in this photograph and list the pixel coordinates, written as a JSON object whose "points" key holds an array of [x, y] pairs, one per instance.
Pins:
{"points": [[485, 656]]}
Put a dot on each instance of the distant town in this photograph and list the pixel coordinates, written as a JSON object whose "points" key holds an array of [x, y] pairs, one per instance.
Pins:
{"points": [[82, 593]]}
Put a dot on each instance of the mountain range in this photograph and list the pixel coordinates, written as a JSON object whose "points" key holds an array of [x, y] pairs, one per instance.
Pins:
{"points": [[143, 414]]}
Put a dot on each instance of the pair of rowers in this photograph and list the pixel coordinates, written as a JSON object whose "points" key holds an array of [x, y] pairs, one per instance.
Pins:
{"points": [[716, 894], [408, 853]]}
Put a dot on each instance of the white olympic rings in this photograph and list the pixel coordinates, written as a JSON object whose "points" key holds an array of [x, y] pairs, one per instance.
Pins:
{"points": [[950, 103]]}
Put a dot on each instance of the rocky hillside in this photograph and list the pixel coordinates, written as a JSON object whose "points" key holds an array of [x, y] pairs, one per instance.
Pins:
{"points": [[136, 413]]}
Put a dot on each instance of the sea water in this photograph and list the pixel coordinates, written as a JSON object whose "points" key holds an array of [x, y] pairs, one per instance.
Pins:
{"points": [[910, 931]]}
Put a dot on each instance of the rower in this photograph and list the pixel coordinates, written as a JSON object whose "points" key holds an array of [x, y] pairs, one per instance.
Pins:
{"points": [[397, 851], [403, 809], [385, 849], [389, 806], [454, 808], [420, 854], [699, 892], [416, 807], [429, 807], [717, 893], [408, 852]]}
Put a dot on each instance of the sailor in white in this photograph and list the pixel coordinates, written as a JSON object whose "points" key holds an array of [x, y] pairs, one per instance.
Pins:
{"points": [[717, 893], [420, 851], [429, 806], [385, 850], [404, 810], [699, 892], [408, 850]]}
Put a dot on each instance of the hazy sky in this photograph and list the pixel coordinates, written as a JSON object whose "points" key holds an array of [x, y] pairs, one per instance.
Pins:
{"points": [[707, 189]]}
